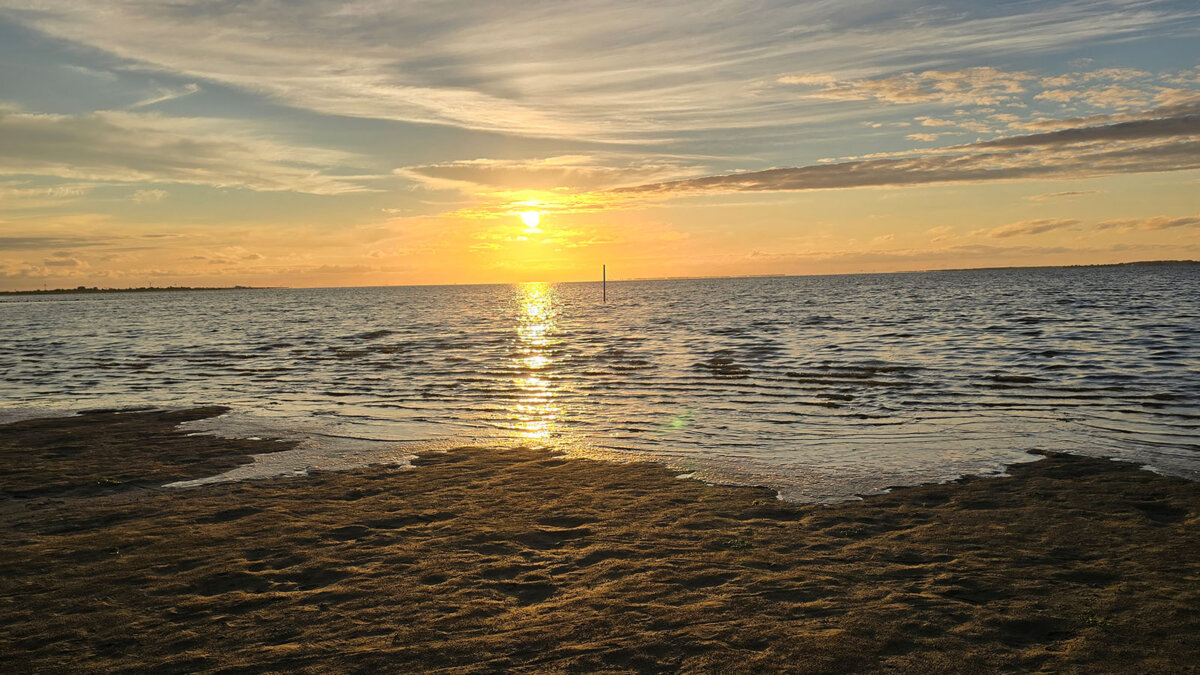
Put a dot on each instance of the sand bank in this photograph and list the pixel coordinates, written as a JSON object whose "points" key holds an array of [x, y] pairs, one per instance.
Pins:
{"points": [[483, 560]]}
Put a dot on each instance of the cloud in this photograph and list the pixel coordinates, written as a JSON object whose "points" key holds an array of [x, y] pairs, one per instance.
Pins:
{"points": [[1155, 145], [1114, 97], [1059, 95], [1118, 74], [1109, 88], [960, 123], [105, 76], [1110, 95], [559, 184], [940, 257], [1176, 107], [62, 259], [598, 70], [144, 196], [978, 86], [1067, 194], [23, 195], [1028, 227], [567, 172], [1166, 127], [927, 138], [135, 147], [1119, 97], [166, 94], [1155, 223], [35, 242]]}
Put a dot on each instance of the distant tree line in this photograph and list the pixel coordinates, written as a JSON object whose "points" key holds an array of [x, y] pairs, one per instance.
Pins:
{"points": [[140, 289]]}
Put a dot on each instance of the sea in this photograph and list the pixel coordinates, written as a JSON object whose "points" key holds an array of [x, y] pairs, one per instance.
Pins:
{"points": [[824, 388]]}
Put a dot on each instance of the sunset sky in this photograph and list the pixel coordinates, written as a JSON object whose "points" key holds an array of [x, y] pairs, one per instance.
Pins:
{"points": [[376, 143]]}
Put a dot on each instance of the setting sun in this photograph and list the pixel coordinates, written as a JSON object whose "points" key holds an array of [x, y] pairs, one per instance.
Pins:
{"points": [[531, 219]]}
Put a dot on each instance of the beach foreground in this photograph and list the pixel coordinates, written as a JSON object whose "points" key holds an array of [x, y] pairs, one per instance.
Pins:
{"points": [[487, 559]]}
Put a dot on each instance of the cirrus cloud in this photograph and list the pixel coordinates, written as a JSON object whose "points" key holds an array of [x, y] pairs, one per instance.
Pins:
{"points": [[1155, 223], [599, 70], [126, 147], [564, 172], [1028, 227]]}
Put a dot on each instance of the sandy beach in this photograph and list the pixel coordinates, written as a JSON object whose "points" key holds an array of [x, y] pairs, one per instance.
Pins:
{"points": [[482, 560]]}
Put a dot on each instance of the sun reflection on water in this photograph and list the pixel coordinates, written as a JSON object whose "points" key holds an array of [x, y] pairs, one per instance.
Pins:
{"points": [[535, 410]]}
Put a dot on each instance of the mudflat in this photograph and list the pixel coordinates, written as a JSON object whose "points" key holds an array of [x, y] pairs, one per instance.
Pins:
{"points": [[484, 559]]}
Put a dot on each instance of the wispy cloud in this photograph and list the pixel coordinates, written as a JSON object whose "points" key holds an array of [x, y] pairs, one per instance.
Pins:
{"points": [[1066, 194], [133, 147], [565, 172], [145, 196], [1165, 127], [37, 242], [64, 259], [24, 195], [1028, 227], [1178, 106], [1154, 145], [163, 94], [601, 70], [1155, 223]]}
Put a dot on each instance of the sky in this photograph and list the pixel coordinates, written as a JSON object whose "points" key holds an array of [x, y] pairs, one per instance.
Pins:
{"points": [[306, 143]]}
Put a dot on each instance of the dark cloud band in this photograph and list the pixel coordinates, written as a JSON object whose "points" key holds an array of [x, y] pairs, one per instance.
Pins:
{"points": [[1153, 145]]}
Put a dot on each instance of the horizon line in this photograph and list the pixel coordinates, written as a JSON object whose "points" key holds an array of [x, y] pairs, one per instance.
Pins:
{"points": [[95, 289]]}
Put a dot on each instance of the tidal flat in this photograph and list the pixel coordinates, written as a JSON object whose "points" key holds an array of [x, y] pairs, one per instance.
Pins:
{"points": [[484, 559]]}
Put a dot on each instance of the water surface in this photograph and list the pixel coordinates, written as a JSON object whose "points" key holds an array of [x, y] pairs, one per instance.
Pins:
{"points": [[821, 387]]}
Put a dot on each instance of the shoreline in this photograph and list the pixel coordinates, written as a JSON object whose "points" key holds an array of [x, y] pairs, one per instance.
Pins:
{"points": [[488, 559], [276, 462]]}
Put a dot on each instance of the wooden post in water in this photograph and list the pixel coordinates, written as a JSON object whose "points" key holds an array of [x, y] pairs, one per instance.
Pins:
{"points": [[604, 281]]}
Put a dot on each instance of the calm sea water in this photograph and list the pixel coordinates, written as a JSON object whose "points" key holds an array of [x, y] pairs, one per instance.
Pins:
{"points": [[821, 387]]}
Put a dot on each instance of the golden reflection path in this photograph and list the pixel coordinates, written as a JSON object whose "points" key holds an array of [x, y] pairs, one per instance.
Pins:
{"points": [[535, 410]]}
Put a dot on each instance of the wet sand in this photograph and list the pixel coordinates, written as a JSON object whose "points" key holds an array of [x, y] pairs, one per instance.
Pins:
{"points": [[487, 560]]}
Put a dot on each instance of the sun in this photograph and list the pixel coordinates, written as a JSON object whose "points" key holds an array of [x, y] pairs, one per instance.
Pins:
{"points": [[531, 219]]}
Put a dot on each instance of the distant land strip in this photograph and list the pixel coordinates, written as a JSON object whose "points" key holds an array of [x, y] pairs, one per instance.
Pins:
{"points": [[142, 289], [1138, 263]]}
